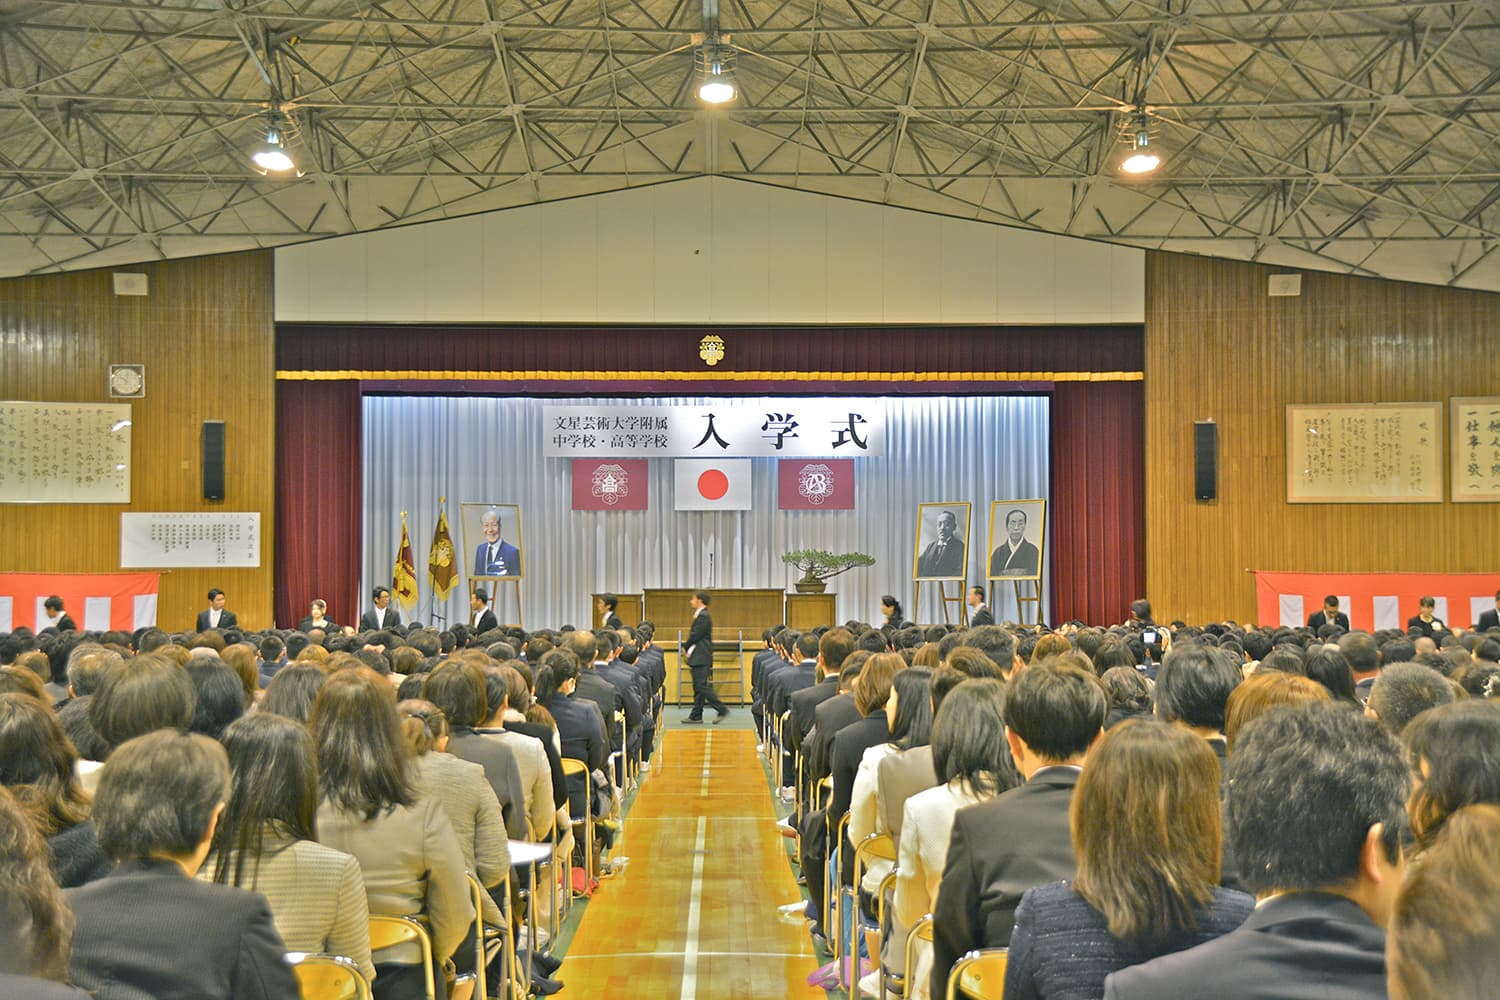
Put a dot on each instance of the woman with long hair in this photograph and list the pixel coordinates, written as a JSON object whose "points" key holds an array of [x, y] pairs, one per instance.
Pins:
{"points": [[1147, 835], [1454, 752], [39, 766], [293, 690], [36, 926], [266, 841], [371, 808], [973, 764]]}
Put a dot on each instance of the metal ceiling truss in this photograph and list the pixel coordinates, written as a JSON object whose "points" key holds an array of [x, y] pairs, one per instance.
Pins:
{"points": [[1349, 135]]}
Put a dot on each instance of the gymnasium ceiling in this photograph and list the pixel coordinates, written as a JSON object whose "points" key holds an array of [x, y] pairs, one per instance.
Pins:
{"points": [[1346, 135]]}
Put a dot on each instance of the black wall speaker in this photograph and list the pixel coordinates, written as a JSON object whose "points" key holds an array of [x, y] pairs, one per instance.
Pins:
{"points": [[213, 460], [1205, 460]]}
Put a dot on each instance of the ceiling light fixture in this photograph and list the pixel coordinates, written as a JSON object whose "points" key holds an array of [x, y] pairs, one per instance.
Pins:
{"points": [[1142, 160], [271, 156], [714, 58]]}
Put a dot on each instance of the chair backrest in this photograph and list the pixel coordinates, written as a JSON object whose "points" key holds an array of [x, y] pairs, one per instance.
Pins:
{"points": [[979, 975], [387, 931], [921, 931], [572, 766], [328, 977], [877, 846]]}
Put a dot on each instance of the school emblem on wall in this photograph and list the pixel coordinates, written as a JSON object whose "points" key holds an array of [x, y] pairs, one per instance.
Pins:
{"points": [[711, 349], [815, 483], [611, 484]]}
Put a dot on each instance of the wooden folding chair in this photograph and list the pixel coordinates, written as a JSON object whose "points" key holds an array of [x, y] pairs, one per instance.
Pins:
{"points": [[573, 766], [387, 931], [877, 846], [888, 984], [921, 931], [328, 977], [979, 975]]}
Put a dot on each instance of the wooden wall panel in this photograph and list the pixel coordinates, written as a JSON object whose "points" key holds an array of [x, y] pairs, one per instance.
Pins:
{"points": [[1218, 348], [206, 336]]}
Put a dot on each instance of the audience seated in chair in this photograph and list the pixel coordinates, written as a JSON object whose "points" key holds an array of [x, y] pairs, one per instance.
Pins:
{"points": [[36, 926]]}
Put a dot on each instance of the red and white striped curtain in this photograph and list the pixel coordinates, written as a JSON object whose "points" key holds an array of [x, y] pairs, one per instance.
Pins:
{"points": [[97, 602]]}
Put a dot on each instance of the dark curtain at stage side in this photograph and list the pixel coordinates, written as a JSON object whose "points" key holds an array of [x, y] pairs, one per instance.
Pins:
{"points": [[1099, 496], [318, 507]]}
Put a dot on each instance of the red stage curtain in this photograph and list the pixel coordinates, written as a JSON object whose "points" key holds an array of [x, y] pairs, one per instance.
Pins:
{"points": [[1099, 500], [318, 500]]}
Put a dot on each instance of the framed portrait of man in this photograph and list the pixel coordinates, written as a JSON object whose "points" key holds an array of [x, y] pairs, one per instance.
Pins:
{"points": [[492, 540], [1017, 530], [942, 549]]}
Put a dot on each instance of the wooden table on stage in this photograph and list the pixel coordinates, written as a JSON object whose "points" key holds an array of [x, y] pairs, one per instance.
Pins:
{"points": [[739, 616]]}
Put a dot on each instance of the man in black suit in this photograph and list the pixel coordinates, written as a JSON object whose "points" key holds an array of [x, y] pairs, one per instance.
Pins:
{"points": [[1330, 615], [481, 618], [1015, 556], [760, 665], [1021, 839], [1489, 619], [383, 616], [56, 617], [605, 606], [700, 657], [216, 616], [149, 928], [1316, 822], [979, 612], [944, 557], [591, 687]]}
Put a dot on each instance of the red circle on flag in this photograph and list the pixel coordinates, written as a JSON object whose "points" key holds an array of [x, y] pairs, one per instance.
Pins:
{"points": [[713, 484]]}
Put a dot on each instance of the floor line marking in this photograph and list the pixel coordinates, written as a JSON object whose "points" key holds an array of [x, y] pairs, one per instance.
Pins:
{"points": [[702, 954], [695, 915], [708, 753]]}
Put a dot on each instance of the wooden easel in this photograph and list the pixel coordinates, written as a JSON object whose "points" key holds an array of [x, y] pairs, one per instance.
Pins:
{"points": [[495, 594], [944, 600], [1034, 599]]}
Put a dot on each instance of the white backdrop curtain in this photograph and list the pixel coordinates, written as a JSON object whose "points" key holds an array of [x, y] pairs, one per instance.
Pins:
{"points": [[489, 450]]}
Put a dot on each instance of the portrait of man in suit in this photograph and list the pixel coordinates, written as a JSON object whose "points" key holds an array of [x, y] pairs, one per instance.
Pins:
{"points": [[941, 552], [1016, 528], [494, 532]]}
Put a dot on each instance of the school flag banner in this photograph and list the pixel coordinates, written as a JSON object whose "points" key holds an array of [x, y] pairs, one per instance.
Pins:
{"points": [[404, 574], [442, 567], [1374, 600], [612, 484], [97, 602], [824, 484]]}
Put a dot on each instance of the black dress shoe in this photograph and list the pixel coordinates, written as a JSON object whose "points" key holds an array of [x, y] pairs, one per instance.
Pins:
{"points": [[692, 722], [720, 717]]}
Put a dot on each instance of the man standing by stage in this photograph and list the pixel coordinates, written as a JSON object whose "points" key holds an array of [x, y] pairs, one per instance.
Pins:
{"points": [[700, 658]]}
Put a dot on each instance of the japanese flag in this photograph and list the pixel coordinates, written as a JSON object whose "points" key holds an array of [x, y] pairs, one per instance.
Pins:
{"points": [[708, 484]]}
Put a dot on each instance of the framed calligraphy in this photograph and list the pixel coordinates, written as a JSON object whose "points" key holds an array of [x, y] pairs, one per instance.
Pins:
{"points": [[1474, 448], [1364, 453]]}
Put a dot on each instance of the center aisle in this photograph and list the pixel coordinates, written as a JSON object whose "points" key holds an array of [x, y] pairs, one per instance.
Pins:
{"points": [[694, 913]]}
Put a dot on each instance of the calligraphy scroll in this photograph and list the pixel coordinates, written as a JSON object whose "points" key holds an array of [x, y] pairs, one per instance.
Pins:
{"points": [[64, 452], [1475, 448], [1364, 453]]}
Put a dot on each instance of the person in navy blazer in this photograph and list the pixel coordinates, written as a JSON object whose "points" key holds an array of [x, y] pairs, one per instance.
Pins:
{"points": [[1330, 615], [700, 657], [383, 616], [495, 556], [1316, 818], [1489, 619], [226, 619]]}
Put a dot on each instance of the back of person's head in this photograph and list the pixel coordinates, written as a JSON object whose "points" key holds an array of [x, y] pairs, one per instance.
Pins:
{"points": [[361, 757], [1146, 829], [1456, 748], [1405, 690], [807, 646], [158, 794], [218, 695], [873, 685], [583, 647], [273, 788], [146, 694], [1397, 650], [834, 648], [1285, 658], [20, 680], [1328, 665], [86, 669], [944, 680], [1261, 692], [293, 690], [457, 688], [854, 665], [1360, 650], [1128, 691], [1487, 649], [1051, 644], [1446, 921], [557, 668], [1140, 609], [973, 662], [272, 648], [1194, 684], [1113, 652], [1057, 708], [423, 725], [968, 738], [36, 925], [872, 641], [37, 763], [1306, 785], [995, 642], [911, 722]]}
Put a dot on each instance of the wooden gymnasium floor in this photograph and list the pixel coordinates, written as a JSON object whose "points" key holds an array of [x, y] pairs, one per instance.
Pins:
{"points": [[694, 914]]}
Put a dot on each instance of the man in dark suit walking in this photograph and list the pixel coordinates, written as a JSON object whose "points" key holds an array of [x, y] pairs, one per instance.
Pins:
{"points": [[1330, 615], [216, 616], [1489, 619], [1021, 839], [1315, 819], [700, 657], [979, 612], [481, 618], [606, 607], [383, 616]]}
